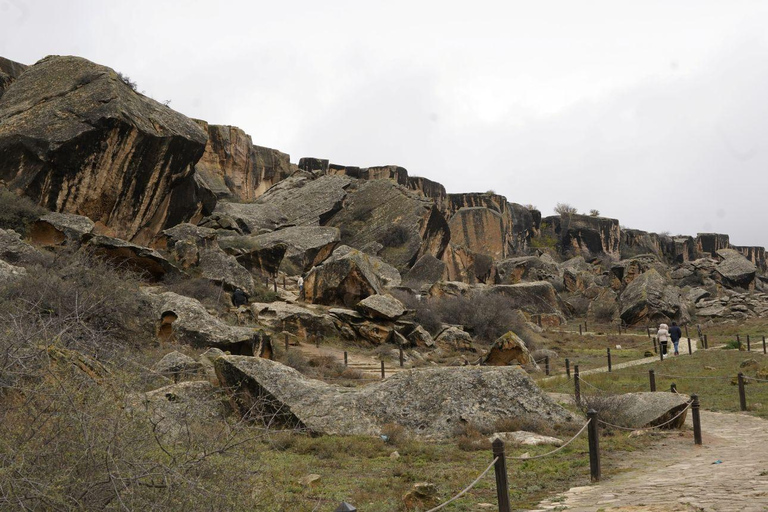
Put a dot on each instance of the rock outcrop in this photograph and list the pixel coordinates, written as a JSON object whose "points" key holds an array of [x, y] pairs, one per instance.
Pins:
{"points": [[509, 349], [306, 246], [15, 250], [265, 390], [54, 229], [9, 71], [642, 410], [300, 320], [649, 297], [709, 243], [344, 279], [480, 230], [537, 298], [584, 235], [117, 157], [305, 200], [734, 270], [10, 273], [142, 260], [384, 307], [233, 168]]}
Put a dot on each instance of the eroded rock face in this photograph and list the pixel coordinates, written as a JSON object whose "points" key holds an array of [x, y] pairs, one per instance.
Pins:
{"points": [[55, 229], [481, 230], [649, 297], [465, 265], [9, 71], [117, 157], [305, 200], [427, 271], [306, 246], [479, 395], [524, 268], [386, 220], [709, 243], [246, 218], [755, 254], [10, 273], [384, 307], [143, 260], [344, 279], [734, 270], [15, 250], [585, 235], [185, 320], [537, 298], [233, 168], [509, 349], [640, 410], [296, 319]]}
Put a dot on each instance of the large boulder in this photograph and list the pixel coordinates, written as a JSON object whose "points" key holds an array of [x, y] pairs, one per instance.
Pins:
{"points": [[642, 410], [233, 168], [305, 200], [525, 268], [77, 139], [177, 365], [480, 230], [245, 218], [143, 260], [734, 270], [384, 307], [425, 272], [463, 264], [294, 318], [10, 273], [55, 229], [9, 71], [649, 297], [224, 270], [253, 255], [454, 338], [344, 279], [184, 242], [185, 320], [306, 246], [267, 391], [391, 222], [509, 349], [15, 250], [536, 298], [708, 244]]}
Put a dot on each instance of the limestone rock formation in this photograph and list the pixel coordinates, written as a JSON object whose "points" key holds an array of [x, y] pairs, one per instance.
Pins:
{"points": [[509, 349], [649, 297], [175, 365], [117, 157], [9, 71], [710, 243], [387, 220], [137, 258], [294, 318], [252, 255], [185, 320], [184, 243], [384, 307], [305, 200], [233, 168], [640, 410], [525, 268], [585, 235], [419, 337], [246, 218], [480, 230], [306, 246], [55, 229], [454, 338], [477, 395], [734, 270], [463, 264], [344, 279], [425, 272]]}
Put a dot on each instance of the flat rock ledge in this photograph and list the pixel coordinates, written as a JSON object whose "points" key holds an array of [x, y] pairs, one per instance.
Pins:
{"points": [[267, 391]]}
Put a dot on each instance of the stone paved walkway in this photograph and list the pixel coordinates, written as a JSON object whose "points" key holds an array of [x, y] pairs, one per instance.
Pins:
{"points": [[676, 476]]}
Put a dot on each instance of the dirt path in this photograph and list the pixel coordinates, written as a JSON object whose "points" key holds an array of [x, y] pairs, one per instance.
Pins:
{"points": [[368, 365], [676, 475]]}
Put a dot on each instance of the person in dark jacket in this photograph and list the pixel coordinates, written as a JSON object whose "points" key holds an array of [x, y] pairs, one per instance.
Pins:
{"points": [[675, 334], [239, 298]]}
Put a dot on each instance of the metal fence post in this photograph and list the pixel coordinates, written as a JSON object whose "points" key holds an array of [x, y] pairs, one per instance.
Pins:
{"points": [[576, 384], [568, 368], [594, 446], [500, 468], [696, 419], [652, 379], [609, 358], [742, 393]]}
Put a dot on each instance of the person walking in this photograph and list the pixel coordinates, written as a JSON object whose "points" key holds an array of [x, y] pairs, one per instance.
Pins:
{"points": [[675, 334], [300, 282], [239, 298], [663, 336]]}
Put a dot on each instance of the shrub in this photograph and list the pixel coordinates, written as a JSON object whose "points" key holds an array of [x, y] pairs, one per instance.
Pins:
{"points": [[395, 434], [594, 213], [201, 289], [18, 212], [603, 312], [486, 316], [395, 236], [127, 80], [469, 438], [565, 209]]}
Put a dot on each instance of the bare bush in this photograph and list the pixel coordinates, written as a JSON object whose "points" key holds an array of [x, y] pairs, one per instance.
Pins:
{"points": [[565, 209], [485, 316], [594, 213], [18, 212]]}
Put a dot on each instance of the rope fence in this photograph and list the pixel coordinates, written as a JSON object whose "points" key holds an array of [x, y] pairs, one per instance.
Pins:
{"points": [[619, 427], [466, 489], [559, 448]]}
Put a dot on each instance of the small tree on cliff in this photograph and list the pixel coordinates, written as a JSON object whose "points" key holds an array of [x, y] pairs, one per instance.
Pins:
{"points": [[565, 209], [594, 213]]}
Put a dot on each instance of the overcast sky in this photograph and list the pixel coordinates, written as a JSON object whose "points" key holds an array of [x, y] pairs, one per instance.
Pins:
{"points": [[653, 112]]}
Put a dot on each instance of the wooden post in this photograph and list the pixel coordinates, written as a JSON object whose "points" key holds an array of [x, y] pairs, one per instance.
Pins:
{"points": [[580, 330], [609, 358], [576, 384], [317, 340], [274, 283], [500, 468], [764, 352], [346, 359], [585, 326], [706, 341], [686, 331], [742, 393], [690, 349], [648, 330], [284, 287], [673, 388], [546, 365], [619, 327], [568, 368], [738, 341], [661, 352], [696, 419], [652, 379], [655, 351], [749, 346], [382, 370], [594, 446], [402, 360]]}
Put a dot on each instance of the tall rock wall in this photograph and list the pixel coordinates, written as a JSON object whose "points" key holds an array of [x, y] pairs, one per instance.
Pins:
{"points": [[584, 235], [754, 254], [709, 243], [9, 71], [233, 168], [76, 139]]}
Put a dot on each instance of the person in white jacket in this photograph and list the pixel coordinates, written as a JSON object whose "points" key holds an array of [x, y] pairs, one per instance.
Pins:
{"points": [[663, 337]]}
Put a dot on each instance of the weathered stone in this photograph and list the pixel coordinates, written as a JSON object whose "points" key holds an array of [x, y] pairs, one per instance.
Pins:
{"points": [[696, 294], [455, 339], [604, 307], [425, 272], [346, 315], [175, 364], [507, 350], [15, 250], [648, 297], [755, 254], [376, 333], [306, 246], [534, 298], [477, 395], [206, 361], [10, 273], [117, 157], [450, 289], [253, 255], [419, 337], [389, 221], [583, 234], [462, 264], [246, 218], [345, 278], [296, 319], [641, 410], [709, 243], [224, 269], [521, 437], [184, 242], [735, 270], [481, 230], [233, 168], [312, 165], [9, 71], [137, 258], [525, 268], [305, 200], [55, 229], [185, 320], [625, 271], [385, 307]]}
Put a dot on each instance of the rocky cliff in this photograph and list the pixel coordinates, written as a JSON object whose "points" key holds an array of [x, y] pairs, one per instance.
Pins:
{"points": [[9, 71]]}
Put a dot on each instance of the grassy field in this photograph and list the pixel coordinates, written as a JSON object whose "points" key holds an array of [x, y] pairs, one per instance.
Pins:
{"points": [[709, 373]]}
